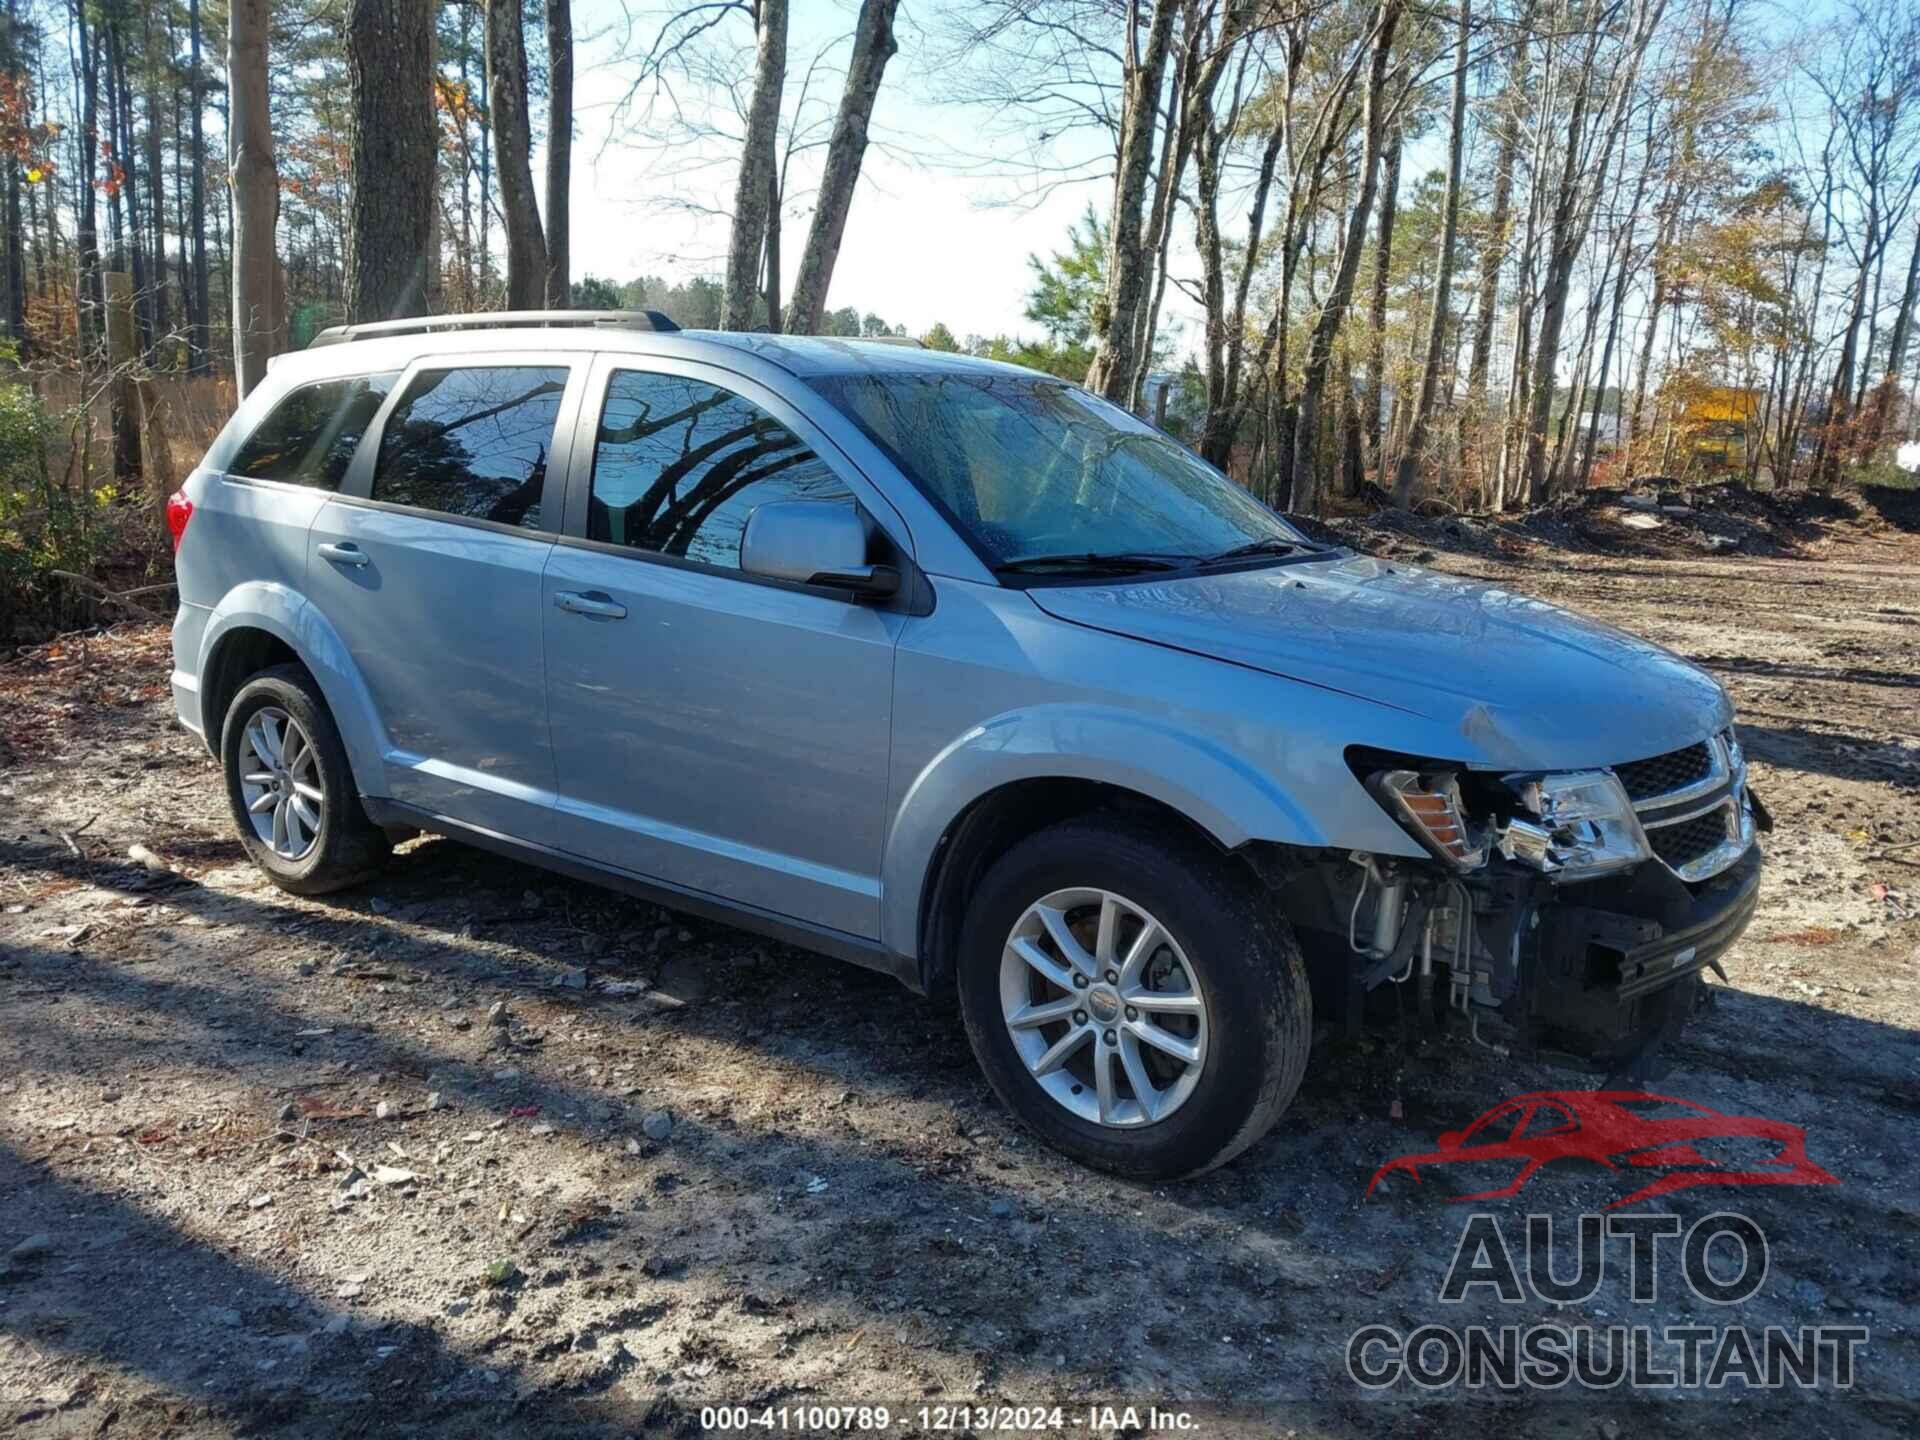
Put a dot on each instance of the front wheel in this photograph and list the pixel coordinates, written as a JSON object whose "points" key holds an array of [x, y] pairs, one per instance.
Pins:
{"points": [[291, 789], [1134, 997]]}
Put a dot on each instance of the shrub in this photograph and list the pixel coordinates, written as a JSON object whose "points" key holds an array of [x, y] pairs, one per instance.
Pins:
{"points": [[46, 523]]}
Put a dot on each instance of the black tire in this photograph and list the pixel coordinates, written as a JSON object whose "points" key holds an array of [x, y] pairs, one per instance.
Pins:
{"points": [[1260, 1012], [347, 847]]}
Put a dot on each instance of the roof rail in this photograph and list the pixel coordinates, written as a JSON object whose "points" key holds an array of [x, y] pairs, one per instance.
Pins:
{"points": [[495, 320], [906, 340]]}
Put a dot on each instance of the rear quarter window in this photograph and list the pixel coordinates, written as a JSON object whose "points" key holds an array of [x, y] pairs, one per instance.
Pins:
{"points": [[310, 436]]}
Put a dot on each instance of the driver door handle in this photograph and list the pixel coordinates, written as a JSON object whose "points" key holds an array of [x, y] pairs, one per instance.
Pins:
{"points": [[348, 554], [594, 603]]}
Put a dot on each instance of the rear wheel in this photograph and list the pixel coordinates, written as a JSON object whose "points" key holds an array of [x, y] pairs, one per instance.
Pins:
{"points": [[291, 789], [1133, 997]]}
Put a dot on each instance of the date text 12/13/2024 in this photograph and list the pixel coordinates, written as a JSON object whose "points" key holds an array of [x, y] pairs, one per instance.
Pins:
{"points": [[944, 1419]]}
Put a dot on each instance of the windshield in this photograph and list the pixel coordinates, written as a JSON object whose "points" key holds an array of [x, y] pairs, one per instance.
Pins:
{"points": [[1030, 467]]}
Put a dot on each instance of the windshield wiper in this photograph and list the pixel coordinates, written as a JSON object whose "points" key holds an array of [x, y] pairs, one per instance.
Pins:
{"points": [[1114, 563], [1272, 545]]}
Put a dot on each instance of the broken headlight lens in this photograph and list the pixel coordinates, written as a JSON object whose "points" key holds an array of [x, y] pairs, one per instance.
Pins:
{"points": [[1575, 826]]}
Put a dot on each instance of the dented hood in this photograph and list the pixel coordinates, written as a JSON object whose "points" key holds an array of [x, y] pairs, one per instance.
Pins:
{"points": [[1524, 684]]}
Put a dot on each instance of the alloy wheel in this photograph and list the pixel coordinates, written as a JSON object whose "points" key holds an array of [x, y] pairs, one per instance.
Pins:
{"points": [[281, 784], [1104, 1007]]}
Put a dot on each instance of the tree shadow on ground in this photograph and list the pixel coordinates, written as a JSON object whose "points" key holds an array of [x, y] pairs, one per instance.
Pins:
{"points": [[1041, 1269], [1824, 752]]}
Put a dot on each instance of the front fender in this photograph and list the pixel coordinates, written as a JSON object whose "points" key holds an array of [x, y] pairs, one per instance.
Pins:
{"points": [[289, 617], [1220, 792]]}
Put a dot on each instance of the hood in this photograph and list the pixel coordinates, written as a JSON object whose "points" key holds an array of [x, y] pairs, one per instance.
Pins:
{"points": [[1525, 684]]}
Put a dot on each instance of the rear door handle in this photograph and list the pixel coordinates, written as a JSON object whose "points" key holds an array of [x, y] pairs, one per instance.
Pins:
{"points": [[594, 602], [342, 554]]}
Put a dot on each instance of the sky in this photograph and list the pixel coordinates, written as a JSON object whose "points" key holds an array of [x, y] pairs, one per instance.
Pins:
{"points": [[925, 241]]}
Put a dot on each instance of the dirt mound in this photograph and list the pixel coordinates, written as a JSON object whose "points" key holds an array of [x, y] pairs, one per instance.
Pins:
{"points": [[1655, 519]]}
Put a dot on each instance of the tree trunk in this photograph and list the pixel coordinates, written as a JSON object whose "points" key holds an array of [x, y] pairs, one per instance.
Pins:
{"points": [[1306, 478], [559, 151], [1897, 348], [1128, 264], [200, 333], [1377, 310], [1493, 250], [469, 276], [436, 296], [1573, 212], [873, 47], [16, 263], [1173, 164], [88, 314], [390, 68], [1409, 468], [131, 179], [513, 144], [158, 317], [758, 162], [771, 287], [1203, 62], [256, 193]]}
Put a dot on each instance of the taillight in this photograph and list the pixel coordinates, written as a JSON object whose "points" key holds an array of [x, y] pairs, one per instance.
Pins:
{"points": [[179, 512]]}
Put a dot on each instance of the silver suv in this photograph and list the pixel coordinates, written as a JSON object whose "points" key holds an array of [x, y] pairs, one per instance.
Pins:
{"points": [[955, 671]]}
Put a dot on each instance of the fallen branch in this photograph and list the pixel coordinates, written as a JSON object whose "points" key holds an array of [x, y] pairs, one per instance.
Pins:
{"points": [[121, 599]]}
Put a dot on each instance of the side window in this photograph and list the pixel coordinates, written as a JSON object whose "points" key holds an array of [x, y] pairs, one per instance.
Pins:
{"points": [[310, 436], [472, 442], [679, 465]]}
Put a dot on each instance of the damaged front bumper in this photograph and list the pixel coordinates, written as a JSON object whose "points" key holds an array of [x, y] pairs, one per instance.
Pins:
{"points": [[1596, 973], [1561, 913], [1603, 973]]}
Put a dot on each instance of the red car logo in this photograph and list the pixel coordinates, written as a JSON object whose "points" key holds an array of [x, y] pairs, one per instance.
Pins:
{"points": [[1622, 1130]]}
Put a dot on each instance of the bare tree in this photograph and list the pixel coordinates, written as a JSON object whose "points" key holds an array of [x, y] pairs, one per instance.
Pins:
{"points": [[198, 332], [1306, 470], [1410, 451], [1493, 246], [559, 150], [1115, 318], [395, 140], [752, 195], [873, 46], [1375, 398], [512, 141], [1583, 177], [1872, 86], [1897, 342], [256, 195]]}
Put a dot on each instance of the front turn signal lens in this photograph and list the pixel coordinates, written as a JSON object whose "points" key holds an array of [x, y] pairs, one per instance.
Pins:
{"points": [[1428, 805]]}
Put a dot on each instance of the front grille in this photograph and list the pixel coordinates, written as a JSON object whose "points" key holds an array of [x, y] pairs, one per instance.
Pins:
{"points": [[1682, 844], [1675, 770]]}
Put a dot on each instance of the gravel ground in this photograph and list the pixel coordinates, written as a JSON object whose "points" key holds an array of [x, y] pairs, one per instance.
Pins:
{"points": [[478, 1150]]}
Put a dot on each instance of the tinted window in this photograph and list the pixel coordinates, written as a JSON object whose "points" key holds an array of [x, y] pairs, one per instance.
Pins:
{"points": [[472, 442], [679, 466], [310, 437]]}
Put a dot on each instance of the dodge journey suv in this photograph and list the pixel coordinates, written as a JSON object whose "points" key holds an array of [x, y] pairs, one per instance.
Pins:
{"points": [[956, 671]]}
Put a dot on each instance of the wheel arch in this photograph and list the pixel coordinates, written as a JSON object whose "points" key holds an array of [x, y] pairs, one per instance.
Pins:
{"points": [[260, 625], [1012, 777]]}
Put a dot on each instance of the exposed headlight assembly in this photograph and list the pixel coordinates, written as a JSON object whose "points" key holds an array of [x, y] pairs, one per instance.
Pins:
{"points": [[1573, 826]]}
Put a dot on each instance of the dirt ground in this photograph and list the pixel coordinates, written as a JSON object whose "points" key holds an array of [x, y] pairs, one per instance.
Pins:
{"points": [[278, 1169]]}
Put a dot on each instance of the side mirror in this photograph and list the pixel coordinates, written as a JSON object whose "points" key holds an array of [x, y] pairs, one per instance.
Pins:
{"points": [[815, 542], [1450, 1140]]}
